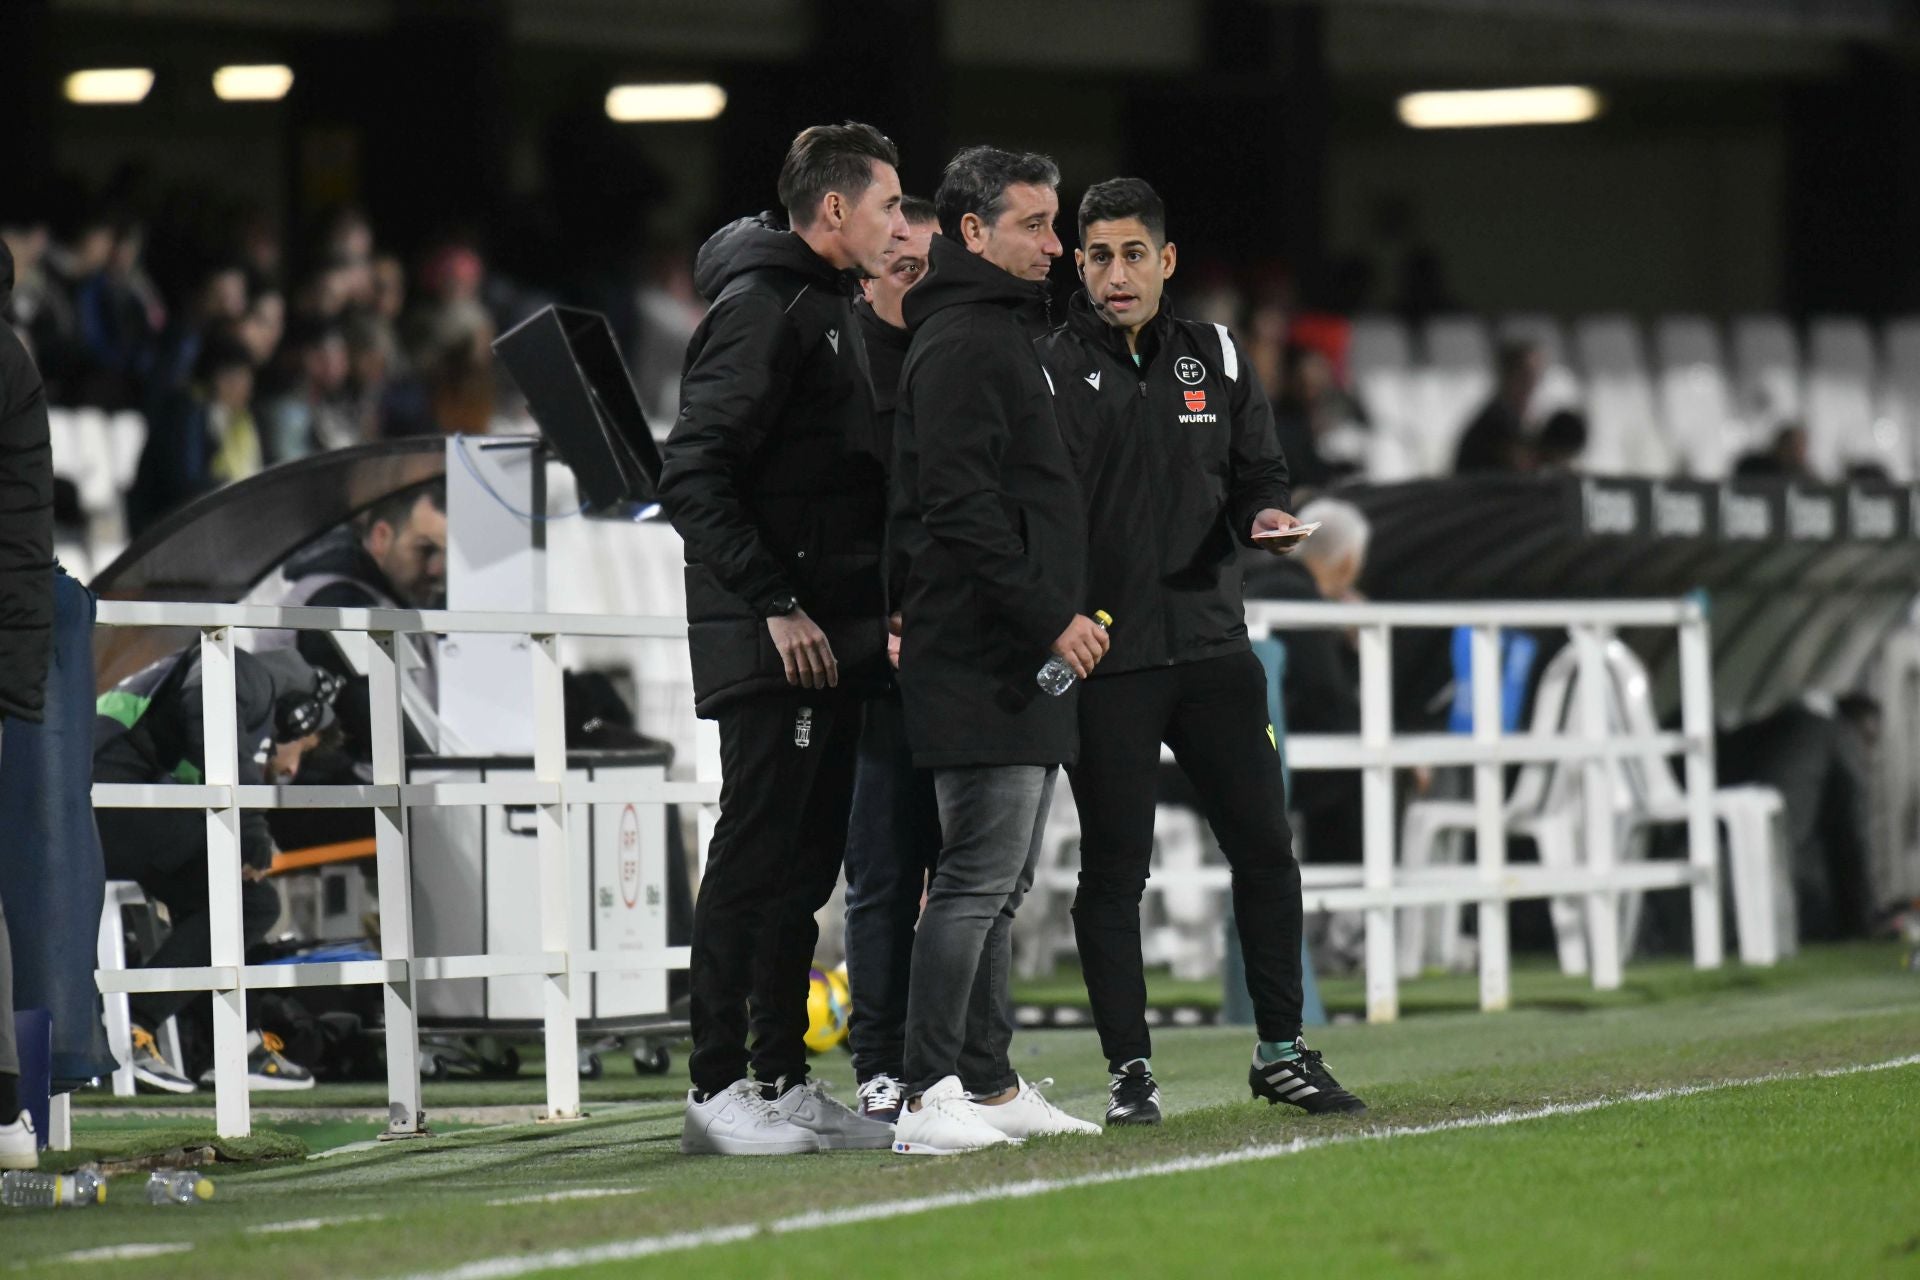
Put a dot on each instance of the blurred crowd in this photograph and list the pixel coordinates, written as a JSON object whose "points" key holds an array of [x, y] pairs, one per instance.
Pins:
{"points": [[253, 351]]}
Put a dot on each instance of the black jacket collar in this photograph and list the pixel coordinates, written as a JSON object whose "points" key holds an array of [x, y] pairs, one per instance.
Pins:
{"points": [[1087, 324], [956, 277]]}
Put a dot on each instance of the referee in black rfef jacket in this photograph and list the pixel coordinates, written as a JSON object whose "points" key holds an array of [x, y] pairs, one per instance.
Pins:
{"points": [[1180, 466], [783, 521]]}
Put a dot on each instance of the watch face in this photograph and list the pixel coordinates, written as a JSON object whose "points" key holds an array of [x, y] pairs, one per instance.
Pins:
{"points": [[783, 605]]}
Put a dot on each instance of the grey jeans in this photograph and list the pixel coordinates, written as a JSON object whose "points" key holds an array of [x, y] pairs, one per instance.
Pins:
{"points": [[959, 1007]]}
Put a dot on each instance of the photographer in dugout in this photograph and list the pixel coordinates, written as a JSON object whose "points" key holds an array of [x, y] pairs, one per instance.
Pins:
{"points": [[1180, 467]]}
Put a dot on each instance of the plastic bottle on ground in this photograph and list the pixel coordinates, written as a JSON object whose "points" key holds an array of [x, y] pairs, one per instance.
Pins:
{"points": [[178, 1186], [28, 1190]]}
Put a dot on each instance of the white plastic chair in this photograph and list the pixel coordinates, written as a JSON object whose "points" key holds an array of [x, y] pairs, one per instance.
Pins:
{"points": [[1766, 371], [1623, 431], [1452, 384], [1380, 370], [1757, 857], [1900, 385], [1544, 807], [1705, 431], [1844, 424], [110, 954]]}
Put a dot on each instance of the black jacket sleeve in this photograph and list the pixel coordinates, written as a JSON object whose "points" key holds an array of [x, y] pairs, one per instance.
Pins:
{"points": [[968, 422], [730, 398], [26, 534], [253, 712], [1259, 469]]}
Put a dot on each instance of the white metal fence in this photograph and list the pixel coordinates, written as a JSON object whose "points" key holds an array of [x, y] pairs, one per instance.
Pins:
{"points": [[390, 797], [1376, 751]]}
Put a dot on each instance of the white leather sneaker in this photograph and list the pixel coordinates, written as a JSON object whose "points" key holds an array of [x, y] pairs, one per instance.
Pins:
{"points": [[740, 1121], [837, 1127], [19, 1145], [947, 1123], [1029, 1114]]}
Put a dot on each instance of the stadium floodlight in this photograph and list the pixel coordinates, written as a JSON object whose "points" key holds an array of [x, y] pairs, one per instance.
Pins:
{"points": [[657, 103], [101, 86], [1491, 108], [267, 83]]}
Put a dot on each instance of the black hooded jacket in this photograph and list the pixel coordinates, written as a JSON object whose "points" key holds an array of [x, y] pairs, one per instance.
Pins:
{"points": [[987, 511], [765, 475], [26, 524], [1176, 456]]}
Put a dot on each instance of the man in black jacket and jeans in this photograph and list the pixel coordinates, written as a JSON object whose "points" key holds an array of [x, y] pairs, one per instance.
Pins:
{"points": [[783, 520], [1176, 452], [987, 511]]}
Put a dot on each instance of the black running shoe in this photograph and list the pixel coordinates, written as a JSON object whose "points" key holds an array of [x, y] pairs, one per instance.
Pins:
{"points": [[1304, 1082], [1133, 1098]]}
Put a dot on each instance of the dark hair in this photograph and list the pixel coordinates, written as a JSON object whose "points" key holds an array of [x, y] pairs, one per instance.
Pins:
{"points": [[977, 179], [1514, 355], [830, 157], [221, 352], [1118, 198], [395, 508], [1564, 434], [1857, 707], [918, 212]]}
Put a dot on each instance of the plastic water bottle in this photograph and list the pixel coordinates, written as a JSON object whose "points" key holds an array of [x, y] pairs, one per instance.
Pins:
{"points": [[26, 1190], [1057, 677], [178, 1186]]}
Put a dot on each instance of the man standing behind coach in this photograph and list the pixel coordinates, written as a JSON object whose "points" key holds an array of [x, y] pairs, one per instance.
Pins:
{"points": [[987, 509], [783, 523]]}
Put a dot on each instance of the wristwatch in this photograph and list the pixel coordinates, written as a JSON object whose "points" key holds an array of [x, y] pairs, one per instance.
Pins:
{"points": [[782, 605]]}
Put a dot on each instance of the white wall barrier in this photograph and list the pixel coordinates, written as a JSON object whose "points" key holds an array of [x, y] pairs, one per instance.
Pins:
{"points": [[1379, 887]]}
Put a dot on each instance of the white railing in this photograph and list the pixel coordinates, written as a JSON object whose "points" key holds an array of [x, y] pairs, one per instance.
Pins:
{"points": [[228, 978], [1491, 882], [1376, 751]]}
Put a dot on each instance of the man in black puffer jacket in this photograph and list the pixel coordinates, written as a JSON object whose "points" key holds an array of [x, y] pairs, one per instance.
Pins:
{"points": [[987, 510], [26, 630], [783, 520]]}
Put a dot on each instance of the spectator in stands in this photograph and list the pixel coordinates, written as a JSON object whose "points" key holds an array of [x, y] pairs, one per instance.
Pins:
{"points": [[264, 326], [1817, 757], [1321, 689], [26, 627], [203, 438], [1784, 459], [1561, 442], [316, 413], [1310, 408], [388, 401], [668, 309], [1496, 439], [42, 306], [121, 319], [220, 304], [389, 288], [149, 729]]}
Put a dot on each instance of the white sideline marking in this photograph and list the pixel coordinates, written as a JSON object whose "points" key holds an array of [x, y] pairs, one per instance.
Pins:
{"points": [[121, 1252], [650, 1246], [311, 1224], [555, 1197]]}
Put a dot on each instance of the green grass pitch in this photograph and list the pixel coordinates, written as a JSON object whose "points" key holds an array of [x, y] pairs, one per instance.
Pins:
{"points": [[1679, 1127]]}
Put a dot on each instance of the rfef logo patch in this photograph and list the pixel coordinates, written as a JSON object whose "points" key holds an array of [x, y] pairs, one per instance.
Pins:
{"points": [[1189, 371], [1196, 401]]}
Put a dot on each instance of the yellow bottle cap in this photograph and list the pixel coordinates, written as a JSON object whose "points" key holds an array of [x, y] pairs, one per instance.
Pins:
{"points": [[100, 1192], [204, 1188], [1102, 617]]}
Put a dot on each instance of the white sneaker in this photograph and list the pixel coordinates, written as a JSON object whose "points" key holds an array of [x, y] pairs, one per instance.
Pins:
{"points": [[947, 1123], [19, 1145], [1029, 1114], [809, 1106], [740, 1121]]}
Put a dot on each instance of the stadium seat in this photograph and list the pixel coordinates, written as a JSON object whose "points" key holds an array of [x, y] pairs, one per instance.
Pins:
{"points": [[1704, 428], [1900, 384], [1844, 426], [1623, 434], [1766, 371], [1448, 389], [111, 956], [1560, 386], [1380, 373], [126, 439]]}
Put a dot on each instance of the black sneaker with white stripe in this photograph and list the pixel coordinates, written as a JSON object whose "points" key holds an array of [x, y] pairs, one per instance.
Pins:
{"points": [[1133, 1097], [1304, 1082]]}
